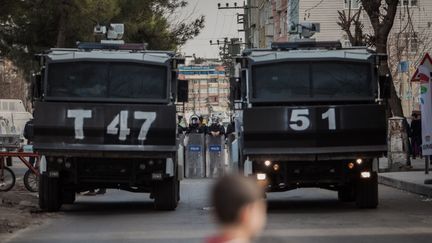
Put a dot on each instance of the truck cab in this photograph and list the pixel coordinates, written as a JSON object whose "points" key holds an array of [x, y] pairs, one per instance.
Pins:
{"points": [[313, 115], [105, 117]]}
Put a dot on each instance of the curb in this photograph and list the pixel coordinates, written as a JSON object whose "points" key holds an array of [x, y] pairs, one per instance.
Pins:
{"points": [[406, 186]]}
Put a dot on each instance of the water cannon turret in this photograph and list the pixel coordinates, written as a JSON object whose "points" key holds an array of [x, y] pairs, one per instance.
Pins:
{"points": [[99, 30], [113, 33], [308, 29]]}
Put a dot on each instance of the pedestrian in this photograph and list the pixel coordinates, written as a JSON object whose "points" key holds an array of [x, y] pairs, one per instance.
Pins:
{"points": [[239, 208], [415, 132], [407, 142]]}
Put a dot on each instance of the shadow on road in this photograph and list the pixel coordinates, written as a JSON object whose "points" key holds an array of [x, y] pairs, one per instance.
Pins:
{"points": [[308, 205], [113, 202], [101, 207], [308, 200]]}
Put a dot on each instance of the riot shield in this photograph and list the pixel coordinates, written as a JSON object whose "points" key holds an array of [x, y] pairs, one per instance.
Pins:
{"points": [[181, 156], [195, 155], [232, 153], [215, 156]]}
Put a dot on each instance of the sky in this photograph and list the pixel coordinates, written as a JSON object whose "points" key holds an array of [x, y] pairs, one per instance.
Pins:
{"points": [[219, 24]]}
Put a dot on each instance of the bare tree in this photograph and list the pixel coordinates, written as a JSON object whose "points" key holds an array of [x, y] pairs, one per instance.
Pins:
{"points": [[382, 14], [350, 23]]}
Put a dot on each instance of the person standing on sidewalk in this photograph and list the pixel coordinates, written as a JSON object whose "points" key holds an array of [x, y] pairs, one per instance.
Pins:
{"points": [[415, 132]]}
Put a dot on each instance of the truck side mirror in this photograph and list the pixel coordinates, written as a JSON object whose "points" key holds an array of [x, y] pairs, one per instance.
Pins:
{"points": [[384, 85], [243, 82], [183, 91], [36, 86], [235, 89]]}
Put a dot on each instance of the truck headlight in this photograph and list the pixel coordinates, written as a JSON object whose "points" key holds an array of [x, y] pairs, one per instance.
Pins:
{"points": [[68, 165], [261, 176], [365, 174], [267, 163]]}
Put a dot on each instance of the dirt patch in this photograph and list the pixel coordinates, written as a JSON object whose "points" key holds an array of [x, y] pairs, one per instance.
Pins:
{"points": [[18, 210]]}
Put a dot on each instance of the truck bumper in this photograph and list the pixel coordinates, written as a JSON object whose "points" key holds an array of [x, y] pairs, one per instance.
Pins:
{"points": [[277, 175]]}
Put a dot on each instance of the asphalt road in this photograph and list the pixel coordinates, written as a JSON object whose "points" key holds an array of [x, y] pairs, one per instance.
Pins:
{"points": [[306, 215]]}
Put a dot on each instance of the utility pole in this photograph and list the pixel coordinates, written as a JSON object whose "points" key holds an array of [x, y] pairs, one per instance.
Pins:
{"points": [[242, 19], [229, 48]]}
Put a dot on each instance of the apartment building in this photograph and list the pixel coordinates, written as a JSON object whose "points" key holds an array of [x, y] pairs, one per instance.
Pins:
{"points": [[410, 39], [208, 89]]}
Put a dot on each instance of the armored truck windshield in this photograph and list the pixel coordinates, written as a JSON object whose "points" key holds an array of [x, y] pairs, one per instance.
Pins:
{"points": [[109, 80], [312, 80], [311, 76]]}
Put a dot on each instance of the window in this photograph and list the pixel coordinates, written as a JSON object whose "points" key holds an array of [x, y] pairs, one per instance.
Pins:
{"points": [[90, 79], [311, 80], [409, 3], [409, 41], [213, 99], [213, 90], [352, 4]]}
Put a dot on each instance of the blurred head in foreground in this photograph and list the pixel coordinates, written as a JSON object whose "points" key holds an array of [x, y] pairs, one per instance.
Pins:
{"points": [[239, 208]]}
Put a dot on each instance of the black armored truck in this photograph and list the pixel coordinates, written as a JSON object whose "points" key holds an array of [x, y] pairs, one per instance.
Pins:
{"points": [[313, 115], [105, 117]]}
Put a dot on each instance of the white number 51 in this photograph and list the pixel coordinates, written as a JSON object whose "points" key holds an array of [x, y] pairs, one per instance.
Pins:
{"points": [[299, 116]]}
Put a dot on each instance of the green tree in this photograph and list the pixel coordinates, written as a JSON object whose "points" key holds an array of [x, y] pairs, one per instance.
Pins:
{"points": [[31, 26]]}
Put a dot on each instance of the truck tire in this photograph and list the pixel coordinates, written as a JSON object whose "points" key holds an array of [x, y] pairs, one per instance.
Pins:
{"points": [[166, 194], [68, 197], [42, 188], [367, 192], [49, 194], [347, 193]]}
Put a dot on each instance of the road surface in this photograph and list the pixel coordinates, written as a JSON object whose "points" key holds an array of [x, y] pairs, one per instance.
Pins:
{"points": [[301, 216]]}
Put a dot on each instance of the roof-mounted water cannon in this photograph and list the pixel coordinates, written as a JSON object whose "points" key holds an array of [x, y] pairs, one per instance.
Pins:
{"points": [[308, 29], [113, 33], [99, 30]]}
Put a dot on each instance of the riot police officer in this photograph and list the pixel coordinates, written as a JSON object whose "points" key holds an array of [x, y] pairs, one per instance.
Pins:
{"points": [[195, 126], [216, 129]]}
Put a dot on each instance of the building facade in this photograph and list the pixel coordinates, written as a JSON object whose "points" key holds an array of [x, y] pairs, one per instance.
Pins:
{"points": [[208, 90], [410, 39]]}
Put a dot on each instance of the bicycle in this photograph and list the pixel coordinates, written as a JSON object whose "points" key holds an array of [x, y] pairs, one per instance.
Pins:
{"points": [[7, 177], [31, 176]]}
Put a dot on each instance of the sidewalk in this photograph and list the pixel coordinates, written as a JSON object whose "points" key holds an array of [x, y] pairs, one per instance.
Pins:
{"points": [[411, 180]]}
